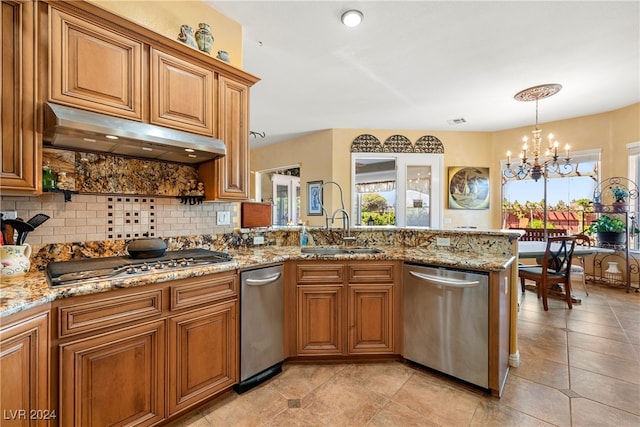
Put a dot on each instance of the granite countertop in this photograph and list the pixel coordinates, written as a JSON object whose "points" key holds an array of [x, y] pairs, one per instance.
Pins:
{"points": [[32, 289]]}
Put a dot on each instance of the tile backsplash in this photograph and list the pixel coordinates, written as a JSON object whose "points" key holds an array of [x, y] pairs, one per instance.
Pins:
{"points": [[91, 217]]}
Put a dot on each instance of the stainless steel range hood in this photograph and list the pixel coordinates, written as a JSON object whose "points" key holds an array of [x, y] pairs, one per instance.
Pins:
{"points": [[87, 131]]}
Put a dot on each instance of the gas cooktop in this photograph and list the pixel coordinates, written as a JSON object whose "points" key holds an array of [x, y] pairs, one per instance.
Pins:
{"points": [[63, 273]]}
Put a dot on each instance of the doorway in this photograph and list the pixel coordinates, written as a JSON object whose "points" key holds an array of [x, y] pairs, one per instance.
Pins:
{"points": [[281, 188]]}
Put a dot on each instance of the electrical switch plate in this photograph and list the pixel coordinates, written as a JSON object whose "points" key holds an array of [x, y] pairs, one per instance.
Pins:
{"points": [[443, 241], [224, 218], [258, 240], [9, 214]]}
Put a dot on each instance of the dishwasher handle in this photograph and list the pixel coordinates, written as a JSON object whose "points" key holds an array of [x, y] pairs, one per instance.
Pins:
{"points": [[438, 280], [262, 282]]}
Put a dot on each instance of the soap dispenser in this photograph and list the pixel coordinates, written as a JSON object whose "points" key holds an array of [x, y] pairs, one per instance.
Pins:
{"points": [[303, 235]]}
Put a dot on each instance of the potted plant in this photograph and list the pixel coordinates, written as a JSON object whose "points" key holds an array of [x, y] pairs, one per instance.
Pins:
{"points": [[620, 195], [609, 230]]}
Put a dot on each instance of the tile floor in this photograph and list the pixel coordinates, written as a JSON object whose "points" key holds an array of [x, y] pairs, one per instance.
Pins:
{"points": [[578, 367]]}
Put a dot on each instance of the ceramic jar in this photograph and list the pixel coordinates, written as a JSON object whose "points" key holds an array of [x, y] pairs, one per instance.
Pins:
{"points": [[15, 260], [204, 38], [223, 55], [186, 36]]}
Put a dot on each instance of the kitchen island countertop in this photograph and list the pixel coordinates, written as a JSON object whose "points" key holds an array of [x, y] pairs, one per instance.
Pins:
{"points": [[32, 289]]}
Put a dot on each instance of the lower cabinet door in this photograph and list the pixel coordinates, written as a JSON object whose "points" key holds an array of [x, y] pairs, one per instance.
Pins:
{"points": [[203, 358], [24, 372], [320, 320], [115, 378], [370, 319]]}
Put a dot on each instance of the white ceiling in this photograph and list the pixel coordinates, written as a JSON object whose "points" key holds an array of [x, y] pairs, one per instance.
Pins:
{"points": [[419, 64]]}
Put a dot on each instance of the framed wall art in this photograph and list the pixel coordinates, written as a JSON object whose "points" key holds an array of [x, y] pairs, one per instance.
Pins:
{"points": [[314, 198], [468, 187]]}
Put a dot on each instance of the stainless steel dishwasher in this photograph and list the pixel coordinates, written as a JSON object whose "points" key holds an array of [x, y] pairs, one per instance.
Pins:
{"points": [[446, 321], [261, 326]]}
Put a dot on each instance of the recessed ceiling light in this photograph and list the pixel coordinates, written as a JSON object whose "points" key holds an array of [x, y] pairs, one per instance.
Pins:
{"points": [[111, 137], [147, 148], [352, 18], [189, 150], [192, 155], [88, 140]]}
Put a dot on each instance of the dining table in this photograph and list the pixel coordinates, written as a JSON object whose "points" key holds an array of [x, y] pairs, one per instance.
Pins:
{"points": [[536, 249]]}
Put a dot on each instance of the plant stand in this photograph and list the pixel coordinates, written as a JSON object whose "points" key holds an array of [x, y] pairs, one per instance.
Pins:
{"points": [[619, 267]]}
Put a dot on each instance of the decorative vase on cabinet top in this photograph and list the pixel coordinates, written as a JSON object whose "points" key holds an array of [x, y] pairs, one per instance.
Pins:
{"points": [[15, 260], [223, 55], [186, 36], [204, 38]]}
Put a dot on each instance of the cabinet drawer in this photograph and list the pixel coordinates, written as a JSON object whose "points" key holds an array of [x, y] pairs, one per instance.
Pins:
{"points": [[319, 273], [371, 273], [201, 290], [108, 311]]}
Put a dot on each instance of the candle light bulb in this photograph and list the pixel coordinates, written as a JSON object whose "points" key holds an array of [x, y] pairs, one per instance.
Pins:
{"points": [[550, 136], [525, 139]]}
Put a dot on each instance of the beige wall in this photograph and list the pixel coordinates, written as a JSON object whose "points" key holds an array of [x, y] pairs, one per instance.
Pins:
{"points": [[326, 155], [165, 17], [312, 152]]}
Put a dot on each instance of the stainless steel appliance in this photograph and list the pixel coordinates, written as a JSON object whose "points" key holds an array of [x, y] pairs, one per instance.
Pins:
{"points": [[64, 273], [71, 127], [446, 321], [261, 326]]}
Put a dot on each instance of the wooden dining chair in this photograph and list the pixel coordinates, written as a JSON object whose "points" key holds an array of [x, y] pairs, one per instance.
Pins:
{"points": [[579, 270], [554, 270]]}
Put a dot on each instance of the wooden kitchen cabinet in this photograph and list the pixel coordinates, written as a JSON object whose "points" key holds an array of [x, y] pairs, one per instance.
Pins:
{"points": [[354, 303], [320, 320], [182, 94], [94, 67], [203, 356], [24, 369], [320, 308], [372, 317], [499, 329], [117, 378], [21, 161], [230, 174], [141, 355]]}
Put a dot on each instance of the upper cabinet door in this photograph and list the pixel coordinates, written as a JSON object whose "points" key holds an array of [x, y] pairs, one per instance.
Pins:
{"points": [[233, 113], [19, 142], [94, 68], [182, 94]]}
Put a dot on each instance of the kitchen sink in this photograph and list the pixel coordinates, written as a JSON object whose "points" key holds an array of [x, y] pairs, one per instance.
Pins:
{"points": [[324, 250]]}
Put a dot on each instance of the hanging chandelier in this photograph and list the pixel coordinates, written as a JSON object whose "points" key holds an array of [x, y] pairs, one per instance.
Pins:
{"points": [[533, 162]]}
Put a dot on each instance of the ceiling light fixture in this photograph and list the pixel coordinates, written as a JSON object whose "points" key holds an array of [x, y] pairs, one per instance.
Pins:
{"points": [[352, 18], [111, 137], [538, 167]]}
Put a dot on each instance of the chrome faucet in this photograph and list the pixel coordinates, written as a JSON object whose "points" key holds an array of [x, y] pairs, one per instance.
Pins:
{"points": [[346, 225]]}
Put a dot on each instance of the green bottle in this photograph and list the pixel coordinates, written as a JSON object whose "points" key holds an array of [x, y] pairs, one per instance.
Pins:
{"points": [[48, 178]]}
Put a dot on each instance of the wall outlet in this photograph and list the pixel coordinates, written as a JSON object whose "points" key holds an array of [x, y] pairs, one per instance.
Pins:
{"points": [[258, 240], [224, 218], [443, 241], [9, 214]]}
